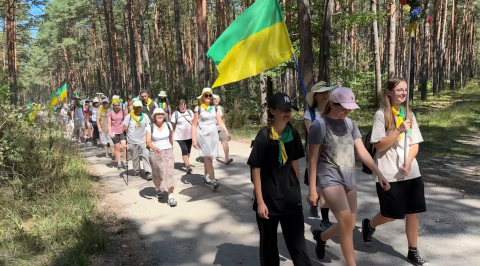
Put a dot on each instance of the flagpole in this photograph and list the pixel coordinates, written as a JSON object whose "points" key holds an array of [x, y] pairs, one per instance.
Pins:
{"points": [[303, 86], [406, 148]]}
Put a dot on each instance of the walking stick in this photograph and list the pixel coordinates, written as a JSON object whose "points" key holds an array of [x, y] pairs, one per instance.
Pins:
{"points": [[126, 151]]}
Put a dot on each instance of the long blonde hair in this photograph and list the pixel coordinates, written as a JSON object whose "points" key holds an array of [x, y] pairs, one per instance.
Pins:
{"points": [[390, 122]]}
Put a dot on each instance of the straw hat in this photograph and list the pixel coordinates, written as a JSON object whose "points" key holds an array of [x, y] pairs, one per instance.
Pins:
{"points": [[319, 87], [204, 91], [157, 111]]}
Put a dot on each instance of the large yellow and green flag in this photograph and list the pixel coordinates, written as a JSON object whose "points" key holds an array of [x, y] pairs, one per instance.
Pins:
{"points": [[53, 101], [62, 92], [256, 41]]}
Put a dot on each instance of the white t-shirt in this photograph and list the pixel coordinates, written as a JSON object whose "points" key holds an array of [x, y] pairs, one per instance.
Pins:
{"points": [[183, 128], [136, 134], [391, 160], [94, 113], [160, 139], [308, 116], [220, 111], [63, 113]]}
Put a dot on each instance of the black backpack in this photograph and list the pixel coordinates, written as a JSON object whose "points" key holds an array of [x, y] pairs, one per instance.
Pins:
{"points": [[371, 150]]}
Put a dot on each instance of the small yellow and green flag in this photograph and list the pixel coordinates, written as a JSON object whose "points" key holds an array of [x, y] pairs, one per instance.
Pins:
{"points": [[62, 93], [256, 41], [53, 101]]}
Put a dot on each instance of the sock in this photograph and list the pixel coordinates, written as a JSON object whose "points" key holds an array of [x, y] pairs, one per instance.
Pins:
{"points": [[324, 212], [170, 195], [412, 249]]}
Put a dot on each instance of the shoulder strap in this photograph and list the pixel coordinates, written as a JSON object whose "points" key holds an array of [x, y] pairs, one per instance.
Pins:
{"points": [[176, 117], [169, 128], [190, 112]]}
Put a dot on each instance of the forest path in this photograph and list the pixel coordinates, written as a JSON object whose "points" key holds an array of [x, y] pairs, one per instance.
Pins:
{"points": [[219, 228]]}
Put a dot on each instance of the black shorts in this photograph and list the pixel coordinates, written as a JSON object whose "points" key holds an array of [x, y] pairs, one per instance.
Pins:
{"points": [[118, 138], [404, 197], [185, 146]]}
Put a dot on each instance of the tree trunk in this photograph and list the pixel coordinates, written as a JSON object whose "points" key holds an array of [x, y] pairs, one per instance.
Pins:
{"points": [[453, 44], [324, 63], [378, 70], [181, 66], [392, 38], [263, 99], [139, 69], [133, 66], [201, 41], [442, 46], [425, 56], [12, 76], [146, 74]]}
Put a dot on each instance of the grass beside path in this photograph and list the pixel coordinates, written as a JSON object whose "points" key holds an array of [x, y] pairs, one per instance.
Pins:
{"points": [[47, 201]]}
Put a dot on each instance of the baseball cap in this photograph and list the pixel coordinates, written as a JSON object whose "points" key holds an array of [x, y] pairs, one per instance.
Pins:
{"points": [[105, 100], [137, 104], [345, 97], [87, 100], [281, 101]]}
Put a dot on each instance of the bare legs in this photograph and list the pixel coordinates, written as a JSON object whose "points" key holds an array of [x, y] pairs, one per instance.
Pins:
{"points": [[226, 150], [186, 160], [208, 166], [117, 146]]}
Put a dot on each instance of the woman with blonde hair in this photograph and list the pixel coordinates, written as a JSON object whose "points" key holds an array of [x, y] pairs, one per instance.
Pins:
{"points": [[205, 134], [406, 198]]}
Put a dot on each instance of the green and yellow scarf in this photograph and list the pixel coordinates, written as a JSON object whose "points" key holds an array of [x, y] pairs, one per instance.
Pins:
{"points": [[136, 118], [207, 108], [149, 101], [401, 116], [286, 137]]}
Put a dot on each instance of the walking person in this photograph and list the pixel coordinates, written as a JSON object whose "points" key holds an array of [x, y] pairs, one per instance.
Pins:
{"points": [[160, 142], [102, 119], [115, 119], [406, 198], [182, 125], [205, 134], [275, 176], [94, 118], [87, 112], [148, 104], [164, 103], [332, 142], [78, 119], [136, 124], [221, 134], [317, 99]]}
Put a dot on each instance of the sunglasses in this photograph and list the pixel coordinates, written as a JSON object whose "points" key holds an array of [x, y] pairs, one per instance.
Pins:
{"points": [[208, 95]]}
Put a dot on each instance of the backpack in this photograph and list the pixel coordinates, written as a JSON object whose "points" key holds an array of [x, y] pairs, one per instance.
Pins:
{"points": [[371, 150], [190, 113]]}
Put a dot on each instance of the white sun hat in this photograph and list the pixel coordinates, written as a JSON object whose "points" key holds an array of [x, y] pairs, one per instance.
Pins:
{"points": [[157, 111], [162, 94], [319, 87], [203, 92]]}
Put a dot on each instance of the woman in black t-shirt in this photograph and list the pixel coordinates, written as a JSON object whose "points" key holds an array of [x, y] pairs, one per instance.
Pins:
{"points": [[275, 176]]}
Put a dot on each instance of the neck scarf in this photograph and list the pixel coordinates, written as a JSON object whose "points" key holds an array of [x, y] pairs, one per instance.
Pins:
{"points": [[102, 110], [164, 103], [401, 116], [207, 108], [149, 101], [136, 118], [286, 137]]}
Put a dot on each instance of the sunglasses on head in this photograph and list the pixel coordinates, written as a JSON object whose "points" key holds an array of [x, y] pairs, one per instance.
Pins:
{"points": [[208, 95]]}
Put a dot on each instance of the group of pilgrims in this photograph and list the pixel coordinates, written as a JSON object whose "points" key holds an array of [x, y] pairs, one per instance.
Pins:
{"points": [[331, 142]]}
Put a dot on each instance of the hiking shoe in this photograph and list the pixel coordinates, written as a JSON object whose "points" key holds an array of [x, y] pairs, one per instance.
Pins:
{"points": [[124, 165], [189, 169], [215, 184], [314, 211], [415, 259], [324, 225], [367, 232], [172, 202], [320, 247], [137, 173], [159, 194], [148, 176], [119, 166], [207, 180]]}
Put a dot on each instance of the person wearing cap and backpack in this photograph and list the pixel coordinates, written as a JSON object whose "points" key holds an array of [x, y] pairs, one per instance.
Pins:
{"points": [[182, 125], [160, 141], [317, 99], [136, 124], [93, 120], [115, 119], [406, 198], [276, 180], [163, 102], [332, 142], [102, 119], [205, 134]]}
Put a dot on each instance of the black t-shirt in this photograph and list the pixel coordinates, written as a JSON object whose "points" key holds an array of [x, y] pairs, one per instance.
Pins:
{"points": [[280, 185]]}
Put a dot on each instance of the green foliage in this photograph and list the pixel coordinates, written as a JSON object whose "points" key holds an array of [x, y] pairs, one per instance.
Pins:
{"points": [[48, 206]]}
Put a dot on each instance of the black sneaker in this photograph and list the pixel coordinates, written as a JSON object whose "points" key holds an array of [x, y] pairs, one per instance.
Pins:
{"points": [[159, 194], [148, 176], [124, 165], [415, 259], [367, 232], [215, 184], [324, 225], [320, 247]]}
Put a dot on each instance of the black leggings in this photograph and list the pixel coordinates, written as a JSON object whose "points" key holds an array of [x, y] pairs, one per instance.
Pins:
{"points": [[185, 146], [293, 232]]}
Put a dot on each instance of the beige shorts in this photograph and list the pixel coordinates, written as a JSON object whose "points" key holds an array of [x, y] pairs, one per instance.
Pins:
{"points": [[222, 136]]}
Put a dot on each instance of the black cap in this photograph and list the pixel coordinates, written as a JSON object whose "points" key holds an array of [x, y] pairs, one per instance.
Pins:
{"points": [[281, 101]]}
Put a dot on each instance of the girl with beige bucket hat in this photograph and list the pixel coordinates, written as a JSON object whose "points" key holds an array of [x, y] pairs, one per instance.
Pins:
{"points": [[317, 99]]}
